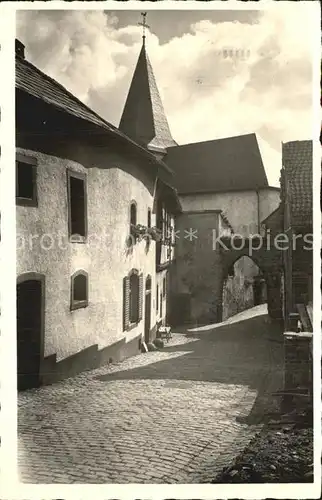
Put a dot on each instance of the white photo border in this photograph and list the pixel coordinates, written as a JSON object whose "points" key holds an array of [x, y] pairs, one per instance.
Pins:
{"points": [[9, 485]]}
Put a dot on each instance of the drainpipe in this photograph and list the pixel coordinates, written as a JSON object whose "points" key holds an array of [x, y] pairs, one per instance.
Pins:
{"points": [[258, 213]]}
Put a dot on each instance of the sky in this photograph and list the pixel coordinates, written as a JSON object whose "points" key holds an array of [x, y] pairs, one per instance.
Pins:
{"points": [[206, 94]]}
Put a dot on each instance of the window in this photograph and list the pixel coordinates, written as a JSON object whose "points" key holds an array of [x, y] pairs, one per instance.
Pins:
{"points": [[164, 231], [79, 290], [26, 181], [161, 304], [133, 214], [77, 206], [132, 299], [148, 284], [157, 299], [149, 217], [133, 218]]}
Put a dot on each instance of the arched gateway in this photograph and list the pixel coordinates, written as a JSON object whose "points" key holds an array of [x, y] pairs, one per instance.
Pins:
{"points": [[266, 256]]}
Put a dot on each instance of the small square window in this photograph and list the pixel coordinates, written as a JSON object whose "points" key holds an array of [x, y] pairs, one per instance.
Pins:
{"points": [[26, 181]]}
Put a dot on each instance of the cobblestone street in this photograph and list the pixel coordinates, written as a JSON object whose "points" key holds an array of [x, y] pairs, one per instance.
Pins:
{"points": [[177, 415]]}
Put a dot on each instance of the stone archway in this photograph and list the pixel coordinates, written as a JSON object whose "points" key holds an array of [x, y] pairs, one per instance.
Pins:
{"points": [[266, 257], [244, 286]]}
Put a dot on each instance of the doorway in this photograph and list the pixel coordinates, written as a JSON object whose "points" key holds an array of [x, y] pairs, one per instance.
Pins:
{"points": [[30, 326], [147, 318]]}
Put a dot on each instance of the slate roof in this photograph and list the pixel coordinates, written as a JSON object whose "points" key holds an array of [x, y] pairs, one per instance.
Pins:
{"points": [[233, 163], [39, 85], [36, 83], [297, 159], [143, 117]]}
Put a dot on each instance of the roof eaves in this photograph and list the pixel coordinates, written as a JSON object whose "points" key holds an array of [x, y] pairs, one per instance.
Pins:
{"points": [[252, 134], [106, 126], [214, 191]]}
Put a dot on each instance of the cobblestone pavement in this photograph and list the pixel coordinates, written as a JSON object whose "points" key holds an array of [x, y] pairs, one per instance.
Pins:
{"points": [[177, 415]]}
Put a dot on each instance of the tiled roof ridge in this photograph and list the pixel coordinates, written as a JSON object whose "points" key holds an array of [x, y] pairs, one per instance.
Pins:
{"points": [[215, 140]]}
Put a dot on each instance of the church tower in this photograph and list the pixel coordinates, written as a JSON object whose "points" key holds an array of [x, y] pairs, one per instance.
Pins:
{"points": [[143, 118]]}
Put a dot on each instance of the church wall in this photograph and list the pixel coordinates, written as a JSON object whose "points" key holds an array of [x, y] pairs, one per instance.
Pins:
{"points": [[238, 206], [43, 247]]}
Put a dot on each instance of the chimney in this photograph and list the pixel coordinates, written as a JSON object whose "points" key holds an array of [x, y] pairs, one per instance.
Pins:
{"points": [[20, 49]]}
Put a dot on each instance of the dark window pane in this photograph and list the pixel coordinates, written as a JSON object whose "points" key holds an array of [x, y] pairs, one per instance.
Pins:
{"points": [[25, 180], [133, 214], [80, 287], [134, 298], [77, 206]]}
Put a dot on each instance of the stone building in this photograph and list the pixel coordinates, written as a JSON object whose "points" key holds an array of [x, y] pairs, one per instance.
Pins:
{"points": [[222, 186], [294, 218], [92, 277]]}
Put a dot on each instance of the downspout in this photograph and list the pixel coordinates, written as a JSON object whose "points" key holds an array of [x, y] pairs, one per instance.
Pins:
{"points": [[258, 213]]}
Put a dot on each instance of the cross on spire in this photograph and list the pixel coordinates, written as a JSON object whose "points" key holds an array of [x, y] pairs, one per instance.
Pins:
{"points": [[144, 25]]}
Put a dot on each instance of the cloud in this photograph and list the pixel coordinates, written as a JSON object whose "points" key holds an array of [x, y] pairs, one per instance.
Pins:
{"points": [[205, 94]]}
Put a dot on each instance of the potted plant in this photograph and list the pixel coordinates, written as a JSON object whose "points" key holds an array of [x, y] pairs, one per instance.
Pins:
{"points": [[138, 231], [154, 233]]}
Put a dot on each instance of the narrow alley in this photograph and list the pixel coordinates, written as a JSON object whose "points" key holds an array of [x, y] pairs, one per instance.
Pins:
{"points": [[177, 415]]}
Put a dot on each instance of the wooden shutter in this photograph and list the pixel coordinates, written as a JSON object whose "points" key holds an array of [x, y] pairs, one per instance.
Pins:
{"points": [[126, 302], [140, 296]]}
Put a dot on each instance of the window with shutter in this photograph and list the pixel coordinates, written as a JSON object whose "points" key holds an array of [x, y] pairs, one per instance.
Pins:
{"points": [[134, 296], [140, 297], [126, 302], [132, 299]]}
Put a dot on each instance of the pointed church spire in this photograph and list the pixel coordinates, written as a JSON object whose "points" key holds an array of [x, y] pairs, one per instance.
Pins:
{"points": [[143, 118], [144, 25]]}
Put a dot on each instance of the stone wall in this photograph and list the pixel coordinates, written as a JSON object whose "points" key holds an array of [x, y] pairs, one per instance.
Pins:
{"points": [[298, 366]]}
